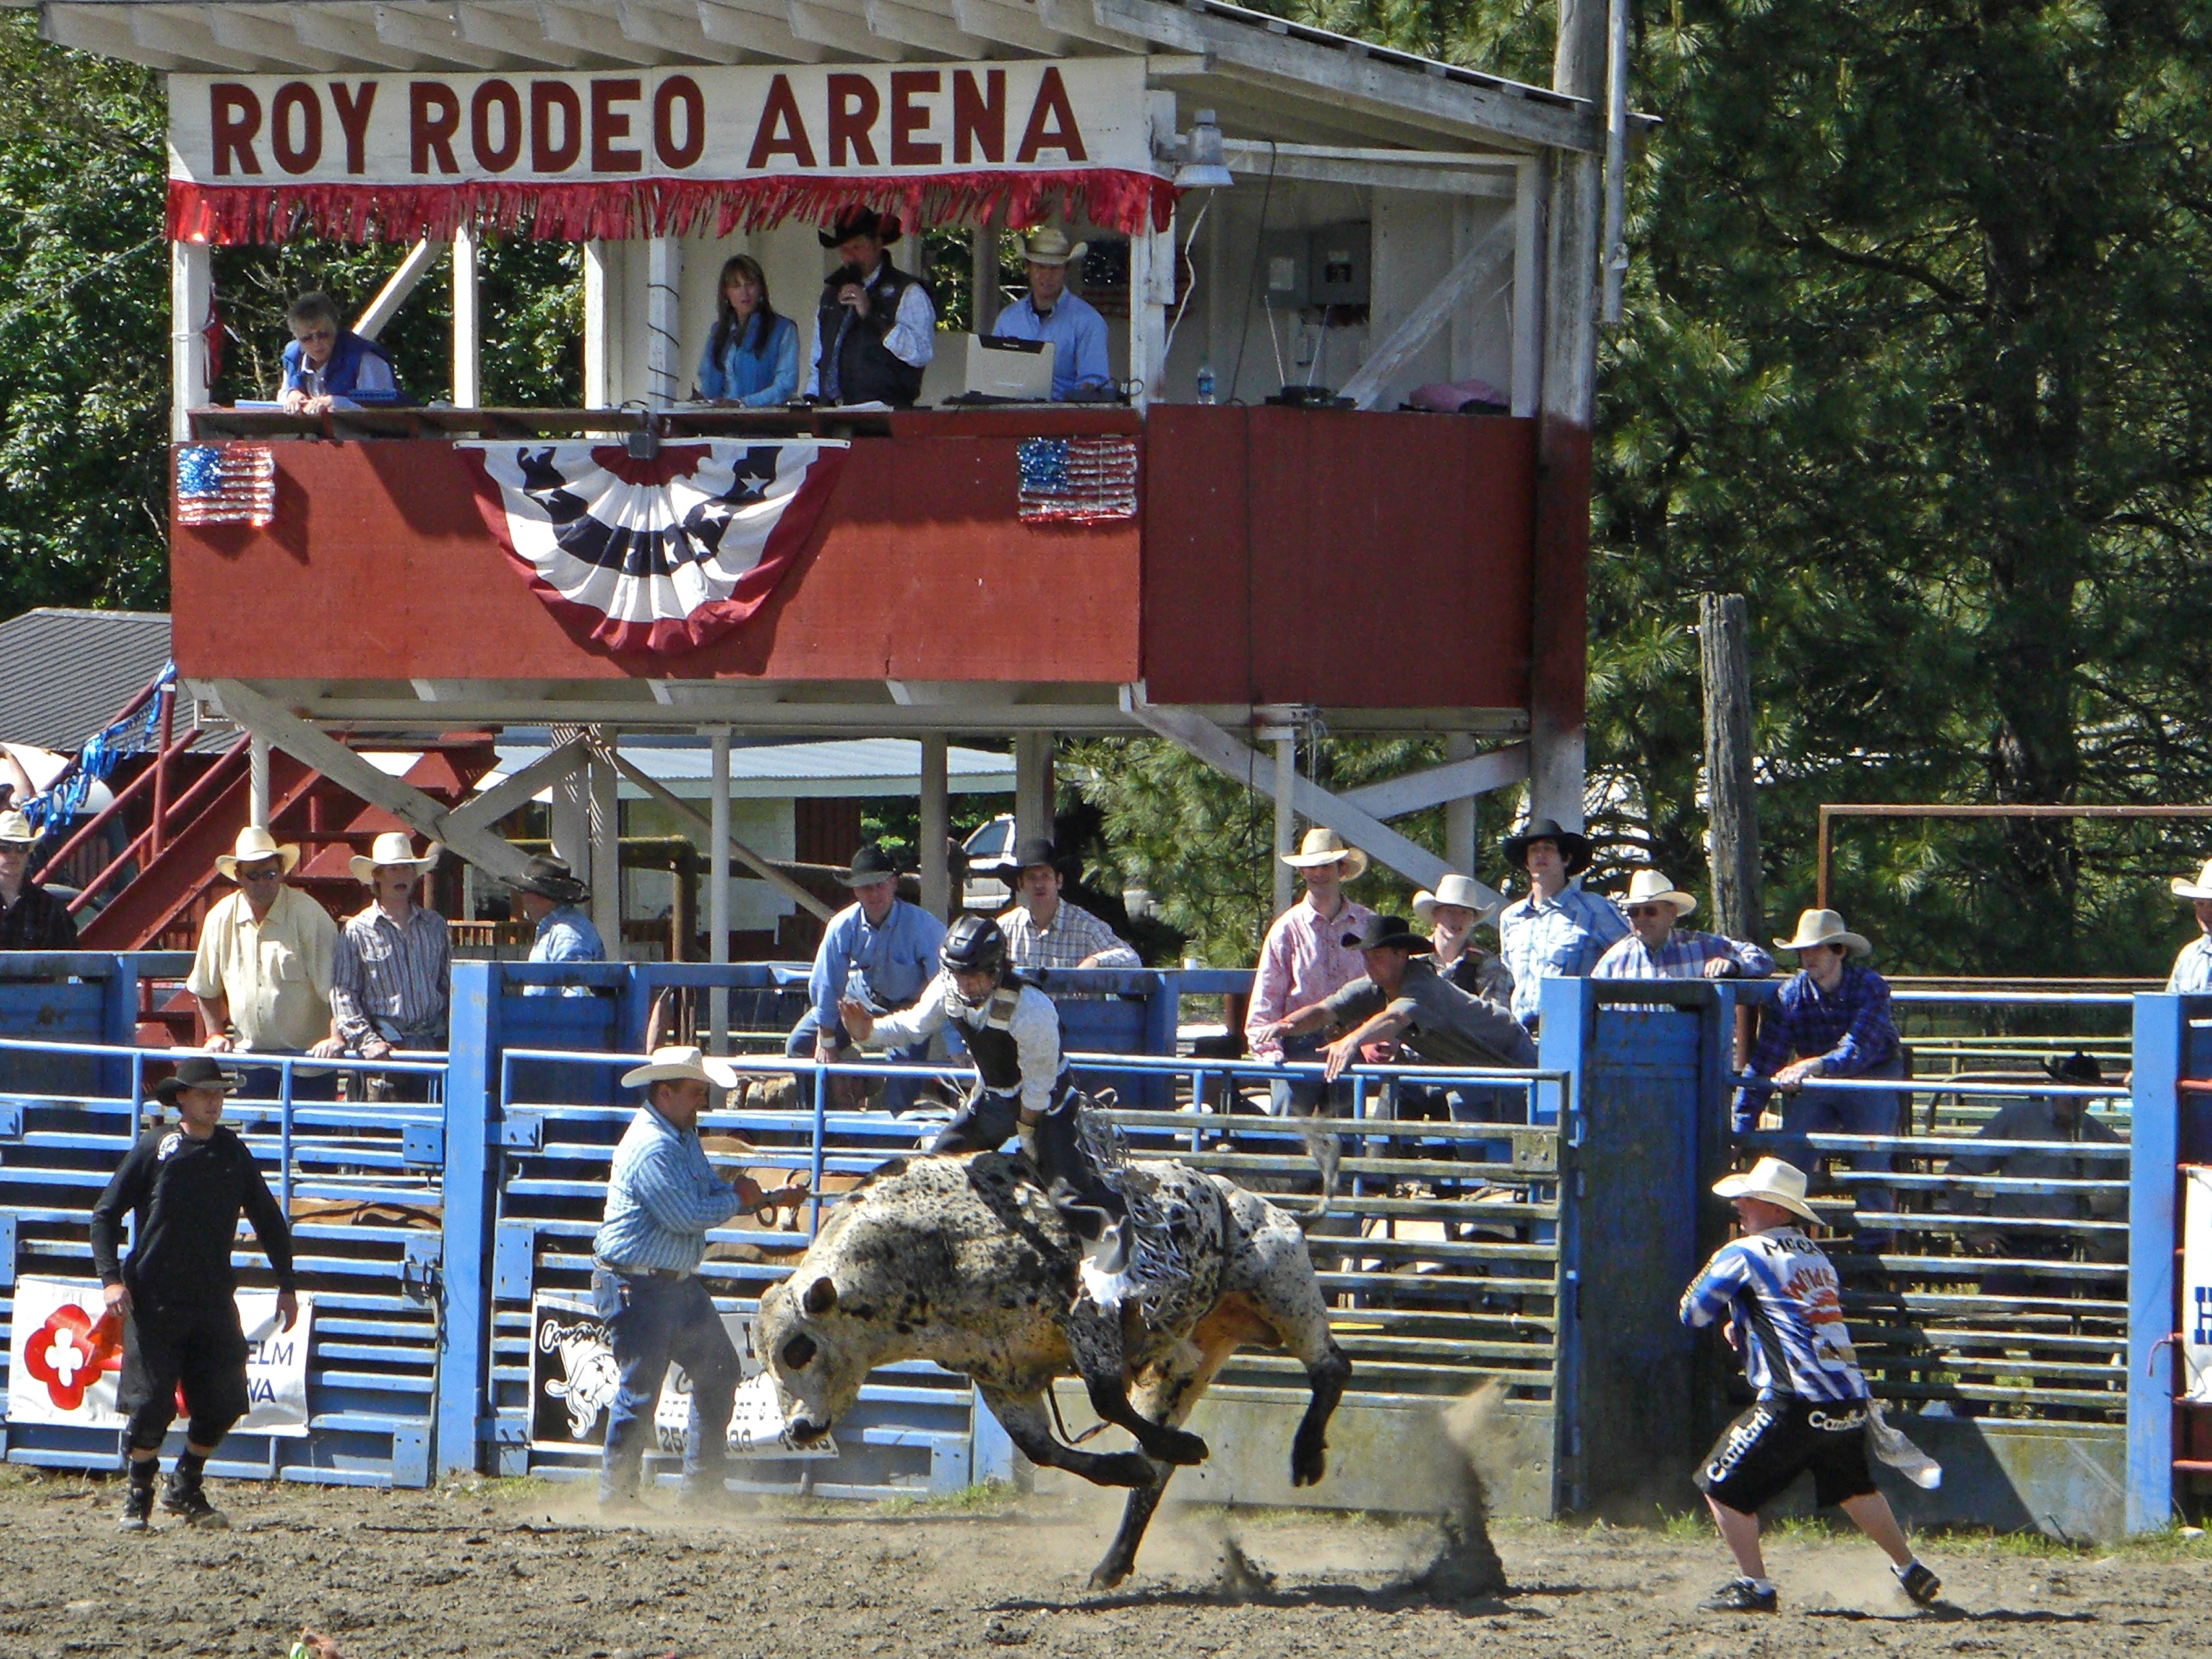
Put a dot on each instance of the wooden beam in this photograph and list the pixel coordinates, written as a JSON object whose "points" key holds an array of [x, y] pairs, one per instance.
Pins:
{"points": [[840, 32], [749, 27], [515, 37], [1246, 765], [311, 746], [489, 806], [106, 31], [929, 31], [267, 31], [1493, 253], [182, 32], [673, 27], [1018, 26], [1411, 170], [755, 861], [435, 36], [393, 294], [1076, 19], [1458, 779], [598, 36], [353, 38]]}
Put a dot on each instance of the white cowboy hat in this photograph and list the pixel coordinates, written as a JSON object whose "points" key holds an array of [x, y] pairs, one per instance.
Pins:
{"points": [[1323, 846], [2183, 887], [678, 1065], [1824, 927], [1772, 1180], [391, 850], [1650, 887], [1453, 890], [254, 844], [1050, 247], [16, 830]]}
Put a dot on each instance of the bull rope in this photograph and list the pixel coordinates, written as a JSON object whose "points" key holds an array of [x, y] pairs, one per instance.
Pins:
{"points": [[1161, 1276]]}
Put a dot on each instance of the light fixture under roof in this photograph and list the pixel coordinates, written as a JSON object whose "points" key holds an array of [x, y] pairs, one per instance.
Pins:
{"points": [[1205, 168]]}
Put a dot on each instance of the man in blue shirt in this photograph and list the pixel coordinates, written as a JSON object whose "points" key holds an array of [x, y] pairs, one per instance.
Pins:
{"points": [[552, 900], [881, 952], [1785, 1313], [1049, 312], [1833, 1015], [1559, 931], [663, 1197]]}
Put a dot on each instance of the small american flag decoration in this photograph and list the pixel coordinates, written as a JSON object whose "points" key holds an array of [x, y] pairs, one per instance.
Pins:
{"points": [[226, 483], [1078, 480]]}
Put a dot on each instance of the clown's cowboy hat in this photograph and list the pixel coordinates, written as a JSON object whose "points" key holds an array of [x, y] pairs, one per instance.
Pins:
{"points": [[1322, 846], [1773, 1181], [254, 844]]}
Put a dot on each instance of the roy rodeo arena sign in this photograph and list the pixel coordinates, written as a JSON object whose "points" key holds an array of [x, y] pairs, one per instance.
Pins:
{"points": [[658, 152]]}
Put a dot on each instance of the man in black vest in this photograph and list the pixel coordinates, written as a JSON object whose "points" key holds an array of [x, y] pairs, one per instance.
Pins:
{"points": [[876, 329], [1012, 1032]]}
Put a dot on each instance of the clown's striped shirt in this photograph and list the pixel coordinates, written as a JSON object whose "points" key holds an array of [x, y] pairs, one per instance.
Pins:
{"points": [[1782, 1293]]}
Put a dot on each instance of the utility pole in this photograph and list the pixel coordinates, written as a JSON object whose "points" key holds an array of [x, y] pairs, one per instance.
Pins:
{"points": [[1724, 652]]}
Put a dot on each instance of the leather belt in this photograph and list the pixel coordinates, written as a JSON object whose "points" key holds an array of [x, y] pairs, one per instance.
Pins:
{"points": [[673, 1275]]}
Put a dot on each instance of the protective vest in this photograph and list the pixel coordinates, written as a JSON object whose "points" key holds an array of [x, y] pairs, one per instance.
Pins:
{"points": [[343, 370], [990, 1039], [867, 371]]}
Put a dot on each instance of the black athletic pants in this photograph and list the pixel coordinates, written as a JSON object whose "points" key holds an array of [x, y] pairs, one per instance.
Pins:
{"points": [[201, 1347]]}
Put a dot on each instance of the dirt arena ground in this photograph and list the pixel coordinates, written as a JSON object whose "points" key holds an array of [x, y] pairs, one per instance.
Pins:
{"points": [[519, 1568]]}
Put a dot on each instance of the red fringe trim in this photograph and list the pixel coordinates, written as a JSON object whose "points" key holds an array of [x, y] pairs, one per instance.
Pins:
{"points": [[668, 636], [225, 214]]}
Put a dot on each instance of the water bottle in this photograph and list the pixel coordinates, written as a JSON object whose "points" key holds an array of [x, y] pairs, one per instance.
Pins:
{"points": [[1205, 383]]}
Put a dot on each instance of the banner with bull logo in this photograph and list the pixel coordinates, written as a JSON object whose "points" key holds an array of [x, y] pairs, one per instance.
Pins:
{"points": [[660, 151], [65, 1353], [660, 555], [573, 1376]]}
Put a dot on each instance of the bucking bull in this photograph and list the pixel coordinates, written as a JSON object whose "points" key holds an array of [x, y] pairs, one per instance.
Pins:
{"points": [[964, 1262]]}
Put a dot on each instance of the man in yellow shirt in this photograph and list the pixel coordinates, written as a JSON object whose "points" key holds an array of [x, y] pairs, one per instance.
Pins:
{"points": [[262, 976]]}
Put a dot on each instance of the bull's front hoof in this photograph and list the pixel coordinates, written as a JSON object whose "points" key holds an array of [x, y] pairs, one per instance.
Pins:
{"points": [[1109, 1574], [1179, 1447], [1307, 1464], [1125, 1469]]}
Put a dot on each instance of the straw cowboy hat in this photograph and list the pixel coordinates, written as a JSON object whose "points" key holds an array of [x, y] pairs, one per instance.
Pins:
{"points": [[1453, 890], [550, 878], [2199, 889], [1650, 887], [1775, 1182], [198, 1072], [1323, 846], [1824, 927], [1574, 848], [16, 830], [392, 850], [254, 844], [1050, 247], [681, 1065]]}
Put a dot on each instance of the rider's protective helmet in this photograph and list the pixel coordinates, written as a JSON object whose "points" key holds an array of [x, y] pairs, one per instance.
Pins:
{"points": [[973, 944]]}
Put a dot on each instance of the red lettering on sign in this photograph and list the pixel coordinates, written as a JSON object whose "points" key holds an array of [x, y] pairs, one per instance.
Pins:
{"points": [[908, 118], [854, 107], [678, 89], [234, 116], [434, 116], [979, 116], [780, 131], [547, 153], [496, 155], [295, 98], [607, 127], [1063, 135], [353, 107]]}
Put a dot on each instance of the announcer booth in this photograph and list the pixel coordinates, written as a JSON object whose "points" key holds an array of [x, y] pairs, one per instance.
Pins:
{"points": [[1350, 296]]}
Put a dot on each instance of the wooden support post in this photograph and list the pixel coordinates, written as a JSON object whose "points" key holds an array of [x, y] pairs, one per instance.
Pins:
{"points": [[607, 846], [983, 275], [468, 391], [1285, 741], [1458, 813], [570, 817], [602, 375], [754, 861], [192, 290], [663, 347], [1032, 784], [718, 886], [1723, 648], [935, 834], [257, 786]]}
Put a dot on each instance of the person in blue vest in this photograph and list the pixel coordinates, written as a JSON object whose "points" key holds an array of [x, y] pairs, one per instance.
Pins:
{"points": [[877, 328], [752, 355], [1048, 312], [328, 366]]}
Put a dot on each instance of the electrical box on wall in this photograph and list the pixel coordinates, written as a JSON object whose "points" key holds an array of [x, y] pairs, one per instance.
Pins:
{"points": [[1285, 258], [1338, 262]]}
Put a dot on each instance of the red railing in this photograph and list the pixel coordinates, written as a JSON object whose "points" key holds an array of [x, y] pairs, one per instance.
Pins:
{"points": [[165, 813]]}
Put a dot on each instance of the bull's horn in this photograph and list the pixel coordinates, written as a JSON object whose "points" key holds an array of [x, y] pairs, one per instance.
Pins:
{"points": [[821, 1296]]}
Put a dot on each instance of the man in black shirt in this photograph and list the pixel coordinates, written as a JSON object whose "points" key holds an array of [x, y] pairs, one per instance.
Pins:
{"points": [[30, 918], [176, 1294]]}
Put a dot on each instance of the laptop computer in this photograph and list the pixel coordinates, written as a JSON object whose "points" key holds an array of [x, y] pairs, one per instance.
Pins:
{"points": [[1020, 370]]}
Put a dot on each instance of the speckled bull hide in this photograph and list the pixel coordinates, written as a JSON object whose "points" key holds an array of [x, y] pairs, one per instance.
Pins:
{"points": [[964, 1262]]}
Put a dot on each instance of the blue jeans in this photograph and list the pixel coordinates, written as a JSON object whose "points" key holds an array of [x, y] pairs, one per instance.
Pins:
{"points": [[651, 1321], [898, 1093], [1814, 1110]]}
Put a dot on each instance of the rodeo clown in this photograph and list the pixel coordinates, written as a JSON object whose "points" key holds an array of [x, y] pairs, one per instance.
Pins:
{"points": [[175, 1293], [1785, 1317], [1012, 1032]]}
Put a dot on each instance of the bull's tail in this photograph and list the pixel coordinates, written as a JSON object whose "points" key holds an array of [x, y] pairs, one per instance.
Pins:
{"points": [[1326, 1152]]}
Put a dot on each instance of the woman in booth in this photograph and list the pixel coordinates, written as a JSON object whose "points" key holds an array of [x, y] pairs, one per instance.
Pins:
{"points": [[752, 355]]}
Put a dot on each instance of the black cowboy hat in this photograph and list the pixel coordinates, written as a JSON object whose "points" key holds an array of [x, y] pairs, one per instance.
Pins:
{"points": [[862, 221], [197, 1072], [1573, 847], [2076, 1067], [1036, 850], [551, 878], [870, 866], [1391, 930]]}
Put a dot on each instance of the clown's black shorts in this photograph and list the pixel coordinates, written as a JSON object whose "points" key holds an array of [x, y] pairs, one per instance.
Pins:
{"points": [[1772, 1444]]}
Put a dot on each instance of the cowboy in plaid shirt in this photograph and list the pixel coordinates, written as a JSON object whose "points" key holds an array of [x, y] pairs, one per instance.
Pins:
{"points": [[1044, 931]]}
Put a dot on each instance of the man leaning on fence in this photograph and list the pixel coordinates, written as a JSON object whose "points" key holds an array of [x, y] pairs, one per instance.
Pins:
{"points": [[30, 918], [262, 975], [1660, 949], [663, 1197], [1044, 930], [1833, 1016], [390, 971], [879, 952]]}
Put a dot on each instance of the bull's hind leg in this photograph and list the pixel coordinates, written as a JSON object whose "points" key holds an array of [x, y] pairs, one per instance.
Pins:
{"points": [[1095, 1339], [1023, 1417], [1167, 1392], [1278, 1284]]}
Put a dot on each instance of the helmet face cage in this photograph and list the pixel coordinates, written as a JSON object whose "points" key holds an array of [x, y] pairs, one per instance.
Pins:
{"points": [[973, 944]]}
